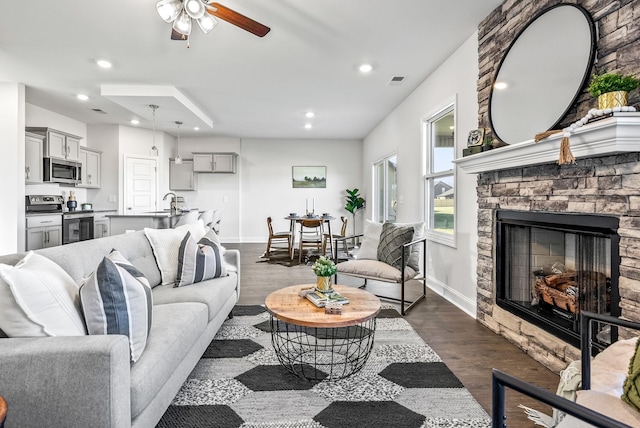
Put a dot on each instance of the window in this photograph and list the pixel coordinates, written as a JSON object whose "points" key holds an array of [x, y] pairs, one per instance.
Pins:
{"points": [[440, 185], [384, 188]]}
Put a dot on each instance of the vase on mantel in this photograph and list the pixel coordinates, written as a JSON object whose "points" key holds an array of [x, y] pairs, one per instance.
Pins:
{"points": [[613, 99]]}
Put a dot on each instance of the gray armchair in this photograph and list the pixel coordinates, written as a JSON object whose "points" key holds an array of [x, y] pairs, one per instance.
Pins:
{"points": [[407, 269]]}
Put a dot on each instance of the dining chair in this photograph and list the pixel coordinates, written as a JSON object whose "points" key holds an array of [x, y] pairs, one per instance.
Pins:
{"points": [[329, 238], [278, 237], [311, 232]]}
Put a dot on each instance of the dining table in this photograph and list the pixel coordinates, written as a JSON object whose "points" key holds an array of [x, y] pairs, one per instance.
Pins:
{"points": [[295, 219]]}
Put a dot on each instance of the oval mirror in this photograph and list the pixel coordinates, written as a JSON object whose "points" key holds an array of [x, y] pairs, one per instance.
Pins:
{"points": [[542, 73]]}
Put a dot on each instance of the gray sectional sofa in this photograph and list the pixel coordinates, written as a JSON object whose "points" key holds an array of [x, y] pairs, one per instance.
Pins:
{"points": [[88, 381]]}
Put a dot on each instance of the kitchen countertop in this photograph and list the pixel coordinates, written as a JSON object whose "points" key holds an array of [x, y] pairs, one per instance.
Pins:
{"points": [[154, 214]]}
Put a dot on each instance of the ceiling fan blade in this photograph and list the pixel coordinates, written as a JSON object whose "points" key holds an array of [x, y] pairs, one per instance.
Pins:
{"points": [[238, 19], [177, 36]]}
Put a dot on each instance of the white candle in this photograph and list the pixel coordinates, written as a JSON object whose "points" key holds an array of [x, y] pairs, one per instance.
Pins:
{"points": [[313, 208], [306, 205]]}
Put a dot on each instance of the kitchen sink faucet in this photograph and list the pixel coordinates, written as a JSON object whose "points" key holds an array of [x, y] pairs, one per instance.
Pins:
{"points": [[172, 205]]}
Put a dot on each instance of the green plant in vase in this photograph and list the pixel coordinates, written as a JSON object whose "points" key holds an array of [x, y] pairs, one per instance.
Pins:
{"points": [[612, 89], [355, 202], [324, 269]]}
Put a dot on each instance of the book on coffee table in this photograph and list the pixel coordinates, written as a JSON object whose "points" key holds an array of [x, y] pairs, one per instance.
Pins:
{"points": [[320, 299]]}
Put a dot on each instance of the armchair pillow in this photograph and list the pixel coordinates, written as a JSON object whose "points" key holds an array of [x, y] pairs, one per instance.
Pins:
{"points": [[200, 260], [38, 298], [392, 239], [370, 241], [116, 299]]}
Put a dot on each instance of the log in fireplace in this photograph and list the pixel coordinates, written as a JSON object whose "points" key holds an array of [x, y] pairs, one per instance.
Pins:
{"points": [[550, 266]]}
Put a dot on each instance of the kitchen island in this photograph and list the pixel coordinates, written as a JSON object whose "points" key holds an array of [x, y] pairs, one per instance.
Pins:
{"points": [[124, 223]]}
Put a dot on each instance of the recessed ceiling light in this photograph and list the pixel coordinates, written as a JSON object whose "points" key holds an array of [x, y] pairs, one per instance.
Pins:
{"points": [[308, 126], [82, 97], [195, 128], [310, 114], [135, 122], [500, 85], [103, 63], [365, 68]]}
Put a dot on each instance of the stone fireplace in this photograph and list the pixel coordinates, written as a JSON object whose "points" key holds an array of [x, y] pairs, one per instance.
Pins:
{"points": [[601, 193]]}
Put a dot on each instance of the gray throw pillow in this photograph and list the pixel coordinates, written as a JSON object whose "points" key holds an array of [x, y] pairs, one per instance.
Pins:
{"points": [[392, 239]]}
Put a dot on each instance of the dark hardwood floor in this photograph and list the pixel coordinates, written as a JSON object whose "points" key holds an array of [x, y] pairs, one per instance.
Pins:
{"points": [[468, 348]]}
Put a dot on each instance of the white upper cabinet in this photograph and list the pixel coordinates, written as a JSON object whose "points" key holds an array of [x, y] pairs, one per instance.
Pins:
{"points": [[215, 162], [90, 173], [58, 144], [33, 154]]}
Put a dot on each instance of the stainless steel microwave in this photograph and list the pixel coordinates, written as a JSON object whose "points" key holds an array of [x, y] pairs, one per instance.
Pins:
{"points": [[61, 171]]}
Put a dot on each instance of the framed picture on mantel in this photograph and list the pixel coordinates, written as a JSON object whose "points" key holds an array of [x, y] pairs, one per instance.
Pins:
{"points": [[309, 177]]}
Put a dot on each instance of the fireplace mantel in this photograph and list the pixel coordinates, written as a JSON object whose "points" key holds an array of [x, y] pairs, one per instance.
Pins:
{"points": [[617, 134]]}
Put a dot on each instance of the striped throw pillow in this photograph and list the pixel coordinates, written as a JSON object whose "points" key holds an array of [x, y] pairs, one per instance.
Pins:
{"points": [[116, 299], [200, 260]]}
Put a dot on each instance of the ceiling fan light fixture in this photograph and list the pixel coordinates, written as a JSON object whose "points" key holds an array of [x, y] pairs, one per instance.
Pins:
{"points": [[195, 8], [169, 9], [182, 24], [206, 23]]}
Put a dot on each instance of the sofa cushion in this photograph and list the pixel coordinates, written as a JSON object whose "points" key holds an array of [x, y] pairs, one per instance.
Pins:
{"points": [[117, 299], [38, 298], [392, 239], [211, 292], [200, 260], [176, 328], [166, 244], [603, 403], [374, 269]]}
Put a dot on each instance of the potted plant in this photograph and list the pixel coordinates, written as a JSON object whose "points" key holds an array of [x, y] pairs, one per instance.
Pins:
{"points": [[324, 268], [612, 89], [354, 203]]}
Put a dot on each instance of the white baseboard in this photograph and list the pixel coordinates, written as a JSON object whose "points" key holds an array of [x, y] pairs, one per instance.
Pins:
{"points": [[463, 302]]}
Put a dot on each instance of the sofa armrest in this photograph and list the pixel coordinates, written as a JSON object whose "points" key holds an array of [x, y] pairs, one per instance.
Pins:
{"points": [[502, 380], [232, 258], [66, 381]]}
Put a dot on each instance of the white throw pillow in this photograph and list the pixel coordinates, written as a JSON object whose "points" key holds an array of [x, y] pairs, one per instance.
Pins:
{"points": [[116, 299], [38, 298], [369, 245], [166, 245]]}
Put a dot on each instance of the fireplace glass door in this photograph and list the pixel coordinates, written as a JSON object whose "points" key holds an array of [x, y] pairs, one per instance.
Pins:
{"points": [[549, 271]]}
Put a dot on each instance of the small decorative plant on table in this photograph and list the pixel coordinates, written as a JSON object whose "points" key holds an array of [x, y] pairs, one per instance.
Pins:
{"points": [[612, 89], [324, 268]]}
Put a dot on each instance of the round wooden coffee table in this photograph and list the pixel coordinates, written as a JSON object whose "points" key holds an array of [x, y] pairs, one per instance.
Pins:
{"points": [[319, 346]]}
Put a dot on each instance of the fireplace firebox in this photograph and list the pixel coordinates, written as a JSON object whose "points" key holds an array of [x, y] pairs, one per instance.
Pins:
{"points": [[550, 266]]}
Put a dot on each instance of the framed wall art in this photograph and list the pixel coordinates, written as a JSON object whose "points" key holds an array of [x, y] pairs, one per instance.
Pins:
{"points": [[309, 177]]}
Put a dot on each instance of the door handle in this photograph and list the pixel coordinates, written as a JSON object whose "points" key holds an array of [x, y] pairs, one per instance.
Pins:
{"points": [[46, 237], [129, 208], [28, 170]]}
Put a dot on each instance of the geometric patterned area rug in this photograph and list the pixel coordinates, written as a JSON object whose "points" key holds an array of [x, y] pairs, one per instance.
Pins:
{"points": [[239, 383]]}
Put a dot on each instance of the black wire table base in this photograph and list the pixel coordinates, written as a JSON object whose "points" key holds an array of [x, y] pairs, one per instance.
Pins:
{"points": [[316, 353]]}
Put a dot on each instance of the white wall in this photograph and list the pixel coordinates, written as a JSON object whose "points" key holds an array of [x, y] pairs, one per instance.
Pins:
{"points": [[12, 121], [451, 271]]}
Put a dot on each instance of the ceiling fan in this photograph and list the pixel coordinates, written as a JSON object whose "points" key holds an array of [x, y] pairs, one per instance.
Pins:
{"points": [[181, 12]]}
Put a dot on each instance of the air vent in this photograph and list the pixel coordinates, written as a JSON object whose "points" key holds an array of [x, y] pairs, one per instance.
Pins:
{"points": [[396, 81], [97, 110]]}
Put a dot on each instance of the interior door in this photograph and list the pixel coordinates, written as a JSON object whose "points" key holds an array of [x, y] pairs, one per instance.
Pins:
{"points": [[140, 184]]}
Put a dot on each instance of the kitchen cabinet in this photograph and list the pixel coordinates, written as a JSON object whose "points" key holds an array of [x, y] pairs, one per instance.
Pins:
{"points": [[101, 222], [33, 154], [215, 162], [90, 172], [58, 144], [181, 175], [43, 231]]}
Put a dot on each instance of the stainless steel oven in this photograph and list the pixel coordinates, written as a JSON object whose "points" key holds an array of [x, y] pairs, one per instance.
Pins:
{"points": [[77, 226]]}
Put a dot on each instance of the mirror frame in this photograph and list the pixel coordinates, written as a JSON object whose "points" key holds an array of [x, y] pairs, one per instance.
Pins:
{"points": [[585, 77]]}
